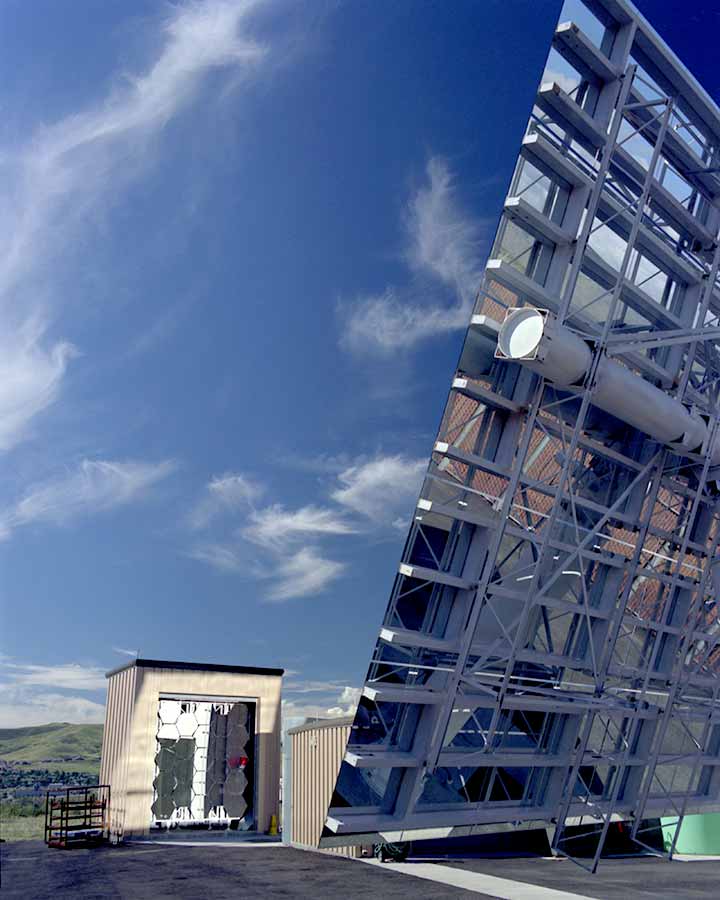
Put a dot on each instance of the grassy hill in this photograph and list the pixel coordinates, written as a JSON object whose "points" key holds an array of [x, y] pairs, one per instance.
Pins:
{"points": [[57, 741], [42, 754]]}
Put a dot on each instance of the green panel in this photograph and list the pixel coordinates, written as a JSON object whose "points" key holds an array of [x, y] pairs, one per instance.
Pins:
{"points": [[699, 835]]}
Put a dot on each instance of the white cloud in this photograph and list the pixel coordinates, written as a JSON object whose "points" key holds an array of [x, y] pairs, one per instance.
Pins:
{"points": [[53, 183], [447, 246], [267, 549], [381, 488], [445, 240], [224, 493], [87, 152], [347, 702], [293, 685], [290, 573], [332, 699], [321, 464], [33, 694], [20, 708], [30, 377], [390, 321], [274, 526], [568, 80], [70, 675], [96, 486], [279, 545], [124, 652], [234, 490], [302, 574], [221, 557]]}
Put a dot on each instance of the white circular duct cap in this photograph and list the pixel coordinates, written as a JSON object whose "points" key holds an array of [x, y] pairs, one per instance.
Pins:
{"points": [[521, 333]]}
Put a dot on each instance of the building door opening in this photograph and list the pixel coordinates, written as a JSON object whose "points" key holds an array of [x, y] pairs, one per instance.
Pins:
{"points": [[204, 765]]}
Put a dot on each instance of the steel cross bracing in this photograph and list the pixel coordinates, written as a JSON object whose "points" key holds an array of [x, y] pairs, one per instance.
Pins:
{"points": [[551, 651]]}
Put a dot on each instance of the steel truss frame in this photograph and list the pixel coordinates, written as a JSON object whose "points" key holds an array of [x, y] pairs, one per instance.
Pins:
{"points": [[551, 651]]}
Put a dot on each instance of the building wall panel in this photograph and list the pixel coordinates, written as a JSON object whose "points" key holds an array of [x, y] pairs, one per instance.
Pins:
{"points": [[113, 765], [316, 754]]}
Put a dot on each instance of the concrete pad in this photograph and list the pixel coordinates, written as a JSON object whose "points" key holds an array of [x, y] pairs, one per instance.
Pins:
{"points": [[502, 888]]}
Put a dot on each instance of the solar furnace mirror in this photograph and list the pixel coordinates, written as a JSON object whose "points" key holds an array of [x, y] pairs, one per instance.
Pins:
{"points": [[550, 651], [204, 762]]}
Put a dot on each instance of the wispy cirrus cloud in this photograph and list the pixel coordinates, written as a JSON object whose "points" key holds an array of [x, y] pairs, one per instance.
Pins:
{"points": [[95, 486], [290, 572], [444, 238], [446, 249], [224, 493], [275, 525], [30, 377], [226, 557], [320, 464], [303, 573], [55, 182], [275, 544], [274, 547], [381, 488], [284, 546], [123, 651]]}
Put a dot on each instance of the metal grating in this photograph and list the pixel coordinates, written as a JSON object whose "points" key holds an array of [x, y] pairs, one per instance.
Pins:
{"points": [[550, 650]]}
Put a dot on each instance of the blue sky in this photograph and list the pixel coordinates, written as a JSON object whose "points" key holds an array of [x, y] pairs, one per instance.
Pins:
{"points": [[239, 247]]}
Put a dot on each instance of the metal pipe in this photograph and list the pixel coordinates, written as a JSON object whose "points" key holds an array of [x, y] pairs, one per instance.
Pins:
{"points": [[538, 341]]}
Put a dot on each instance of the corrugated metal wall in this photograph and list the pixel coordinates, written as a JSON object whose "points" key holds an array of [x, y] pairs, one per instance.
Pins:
{"points": [[316, 753], [114, 760]]}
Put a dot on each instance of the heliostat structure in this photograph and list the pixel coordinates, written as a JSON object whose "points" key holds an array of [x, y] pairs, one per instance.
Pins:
{"points": [[550, 653]]}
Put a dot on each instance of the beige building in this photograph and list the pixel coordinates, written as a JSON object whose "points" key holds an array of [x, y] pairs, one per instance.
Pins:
{"points": [[315, 754], [191, 745]]}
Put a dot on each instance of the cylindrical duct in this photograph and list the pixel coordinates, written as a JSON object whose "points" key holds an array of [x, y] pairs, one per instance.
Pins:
{"points": [[646, 407], [537, 340]]}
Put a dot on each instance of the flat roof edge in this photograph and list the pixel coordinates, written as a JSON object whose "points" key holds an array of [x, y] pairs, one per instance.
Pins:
{"points": [[196, 667], [321, 723]]}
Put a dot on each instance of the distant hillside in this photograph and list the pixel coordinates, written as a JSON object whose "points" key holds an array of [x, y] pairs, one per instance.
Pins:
{"points": [[57, 741]]}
